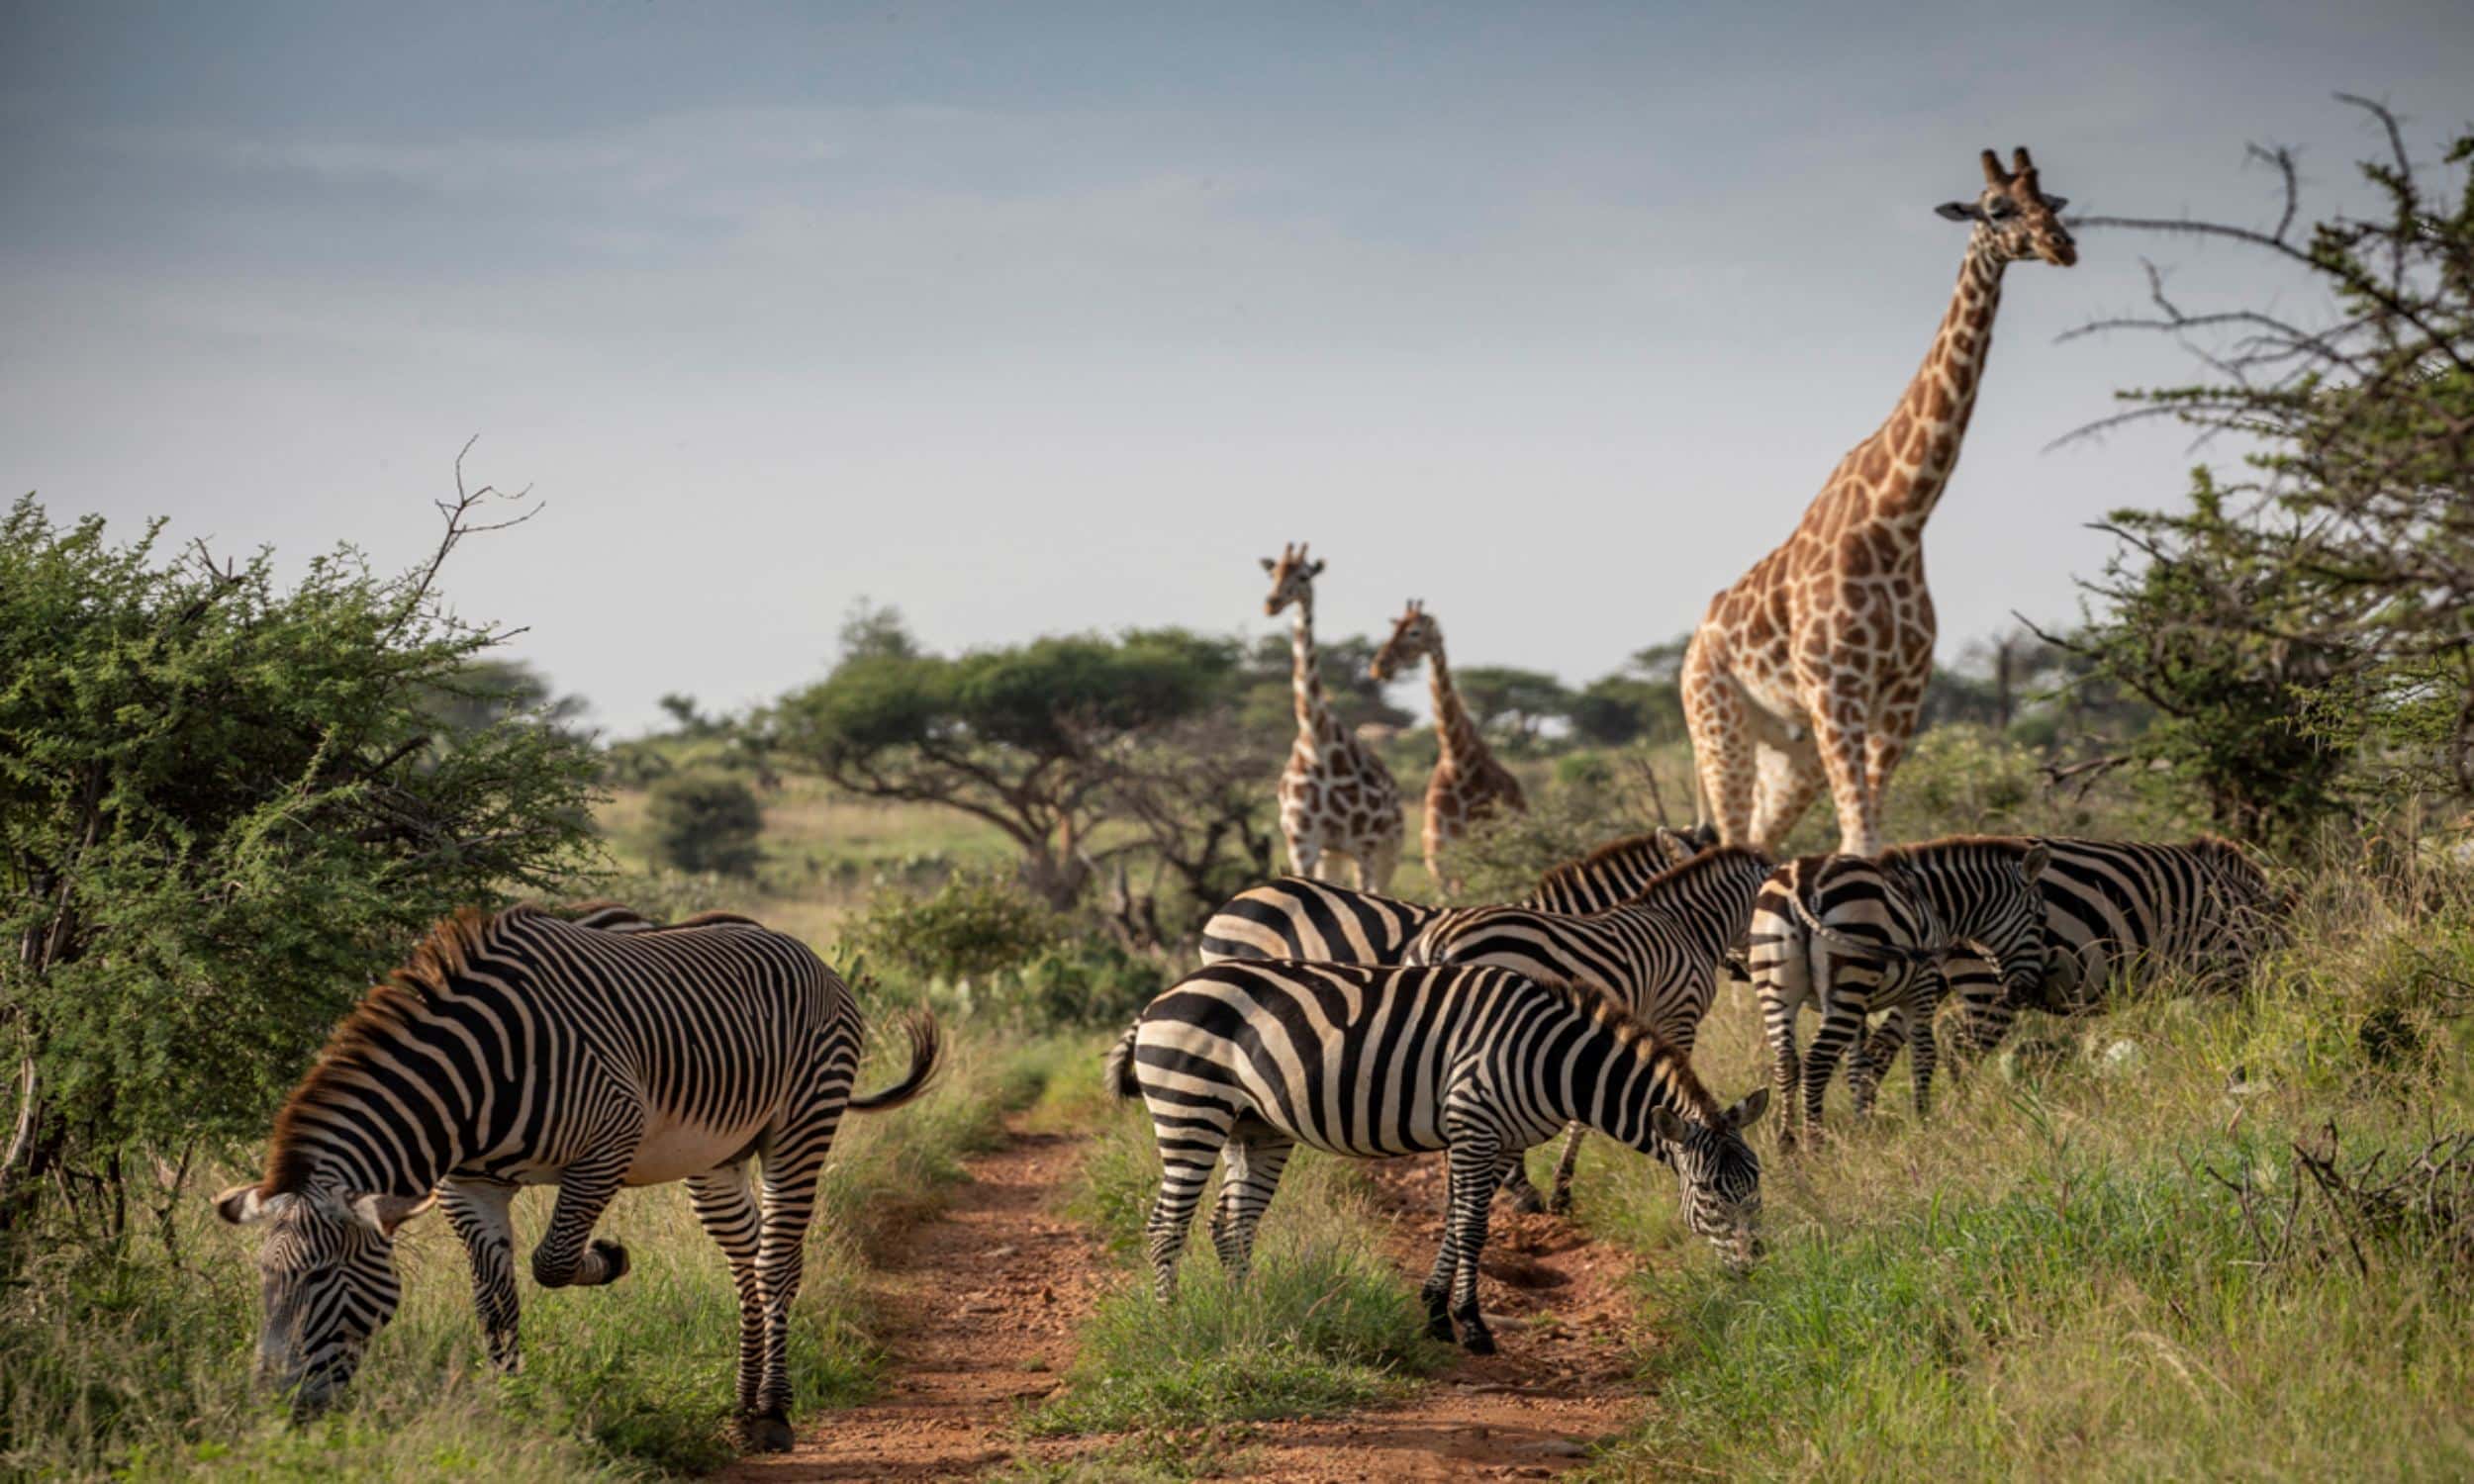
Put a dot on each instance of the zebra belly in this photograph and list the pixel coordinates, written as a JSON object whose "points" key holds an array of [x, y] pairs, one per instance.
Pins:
{"points": [[673, 1149]]}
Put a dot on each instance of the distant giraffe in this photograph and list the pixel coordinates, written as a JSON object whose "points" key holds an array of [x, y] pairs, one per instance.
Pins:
{"points": [[1467, 784], [1811, 669], [1336, 798]]}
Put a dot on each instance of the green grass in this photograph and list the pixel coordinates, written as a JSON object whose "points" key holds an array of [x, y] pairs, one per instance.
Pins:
{"points": [[2050, 1280], [1326, 1323], [132, 1366]]}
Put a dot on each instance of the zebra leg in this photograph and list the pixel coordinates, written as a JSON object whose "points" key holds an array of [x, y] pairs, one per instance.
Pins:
{"points": [[1562, 1200], [1524, 1196], [1926, 1053], [1840, 1024], [564, 1258], [1247, 1182], [1779, 1024], [478, 1211], [1476, 1159], [790, 1203], [726, 1207], [1187, 1154], [1866, 1068]]}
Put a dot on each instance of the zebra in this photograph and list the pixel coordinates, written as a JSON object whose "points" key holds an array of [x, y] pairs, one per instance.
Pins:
{"points": [[1856, 936], [521, 1049], [1660, 951], [1253, 1058], [2116, 906], [1295, 917]]}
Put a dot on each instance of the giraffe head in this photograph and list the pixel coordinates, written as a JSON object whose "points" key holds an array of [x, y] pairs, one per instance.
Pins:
{"points": [[2014, 211], [1292, 579], [1413, 638]]}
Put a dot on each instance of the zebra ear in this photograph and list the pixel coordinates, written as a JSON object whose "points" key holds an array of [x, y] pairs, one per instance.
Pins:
{"points": [[1666, 1124], [2032, 864], [1749, 1112], [382, 1214], [1671, 845], [241, 1205]]}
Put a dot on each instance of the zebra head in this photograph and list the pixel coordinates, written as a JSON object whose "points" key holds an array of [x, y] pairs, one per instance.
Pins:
{"points": [[1721, 1176], [327, 1266], [2013, 925]]}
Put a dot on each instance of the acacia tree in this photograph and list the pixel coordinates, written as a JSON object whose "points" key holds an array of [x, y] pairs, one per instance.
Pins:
{"points": [[2335, 566], [1027, 738], [224, 805]]}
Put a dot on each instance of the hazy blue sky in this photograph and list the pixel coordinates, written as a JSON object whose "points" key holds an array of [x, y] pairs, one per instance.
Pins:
{"points": [[1040, 317]]}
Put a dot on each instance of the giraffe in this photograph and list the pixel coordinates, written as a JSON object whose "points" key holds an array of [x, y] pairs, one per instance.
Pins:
{"points": [[1336, 798], [1810, 669], [1468, 782]]}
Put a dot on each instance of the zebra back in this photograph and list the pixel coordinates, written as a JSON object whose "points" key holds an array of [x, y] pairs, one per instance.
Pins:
{"points": [[1617, 871], [1658, 950], [1296, 917]]}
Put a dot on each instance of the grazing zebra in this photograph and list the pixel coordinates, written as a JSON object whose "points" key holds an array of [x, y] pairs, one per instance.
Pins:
{"points": [[2115, 907], [1853, 937], [523, 1048], [1254, 1058], [1324, 923], [1658, 952]]}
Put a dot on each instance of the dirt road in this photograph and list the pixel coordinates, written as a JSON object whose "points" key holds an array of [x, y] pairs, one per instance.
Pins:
{"points": [[983, 1302]]}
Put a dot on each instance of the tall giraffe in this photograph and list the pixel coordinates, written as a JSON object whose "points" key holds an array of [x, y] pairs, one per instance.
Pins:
{"points": [[1468, 782], [1336, 798], [1810, 669]]}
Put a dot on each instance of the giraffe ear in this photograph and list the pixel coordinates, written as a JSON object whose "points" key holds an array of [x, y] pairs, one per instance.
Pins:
{"points": [[1959, 211], [1269, 565], [2056, 202], [1315, 569]]}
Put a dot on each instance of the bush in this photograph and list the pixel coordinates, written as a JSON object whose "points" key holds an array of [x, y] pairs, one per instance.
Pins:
{"points": [[1090, 982], [977, 925], [706, 821]]}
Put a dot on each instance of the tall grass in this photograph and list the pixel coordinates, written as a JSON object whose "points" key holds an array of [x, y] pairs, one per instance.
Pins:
{"points": [[2052, 1278], [1326, 1322], [133, 1365]]}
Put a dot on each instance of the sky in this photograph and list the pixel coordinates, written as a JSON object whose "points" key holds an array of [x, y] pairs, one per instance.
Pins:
{"points": [[1036, 319]]}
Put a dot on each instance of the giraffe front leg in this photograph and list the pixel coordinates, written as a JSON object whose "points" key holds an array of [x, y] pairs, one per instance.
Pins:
{"points": [[1839, 736], [478, 1211], [568, 1256], [1789, 779]]}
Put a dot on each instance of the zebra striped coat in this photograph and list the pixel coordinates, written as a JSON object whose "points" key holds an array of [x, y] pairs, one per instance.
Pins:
{"points": [[523, 1049], [1853, 937], [1657, 954], [1250, 1060], [2117, 908], [1295, 917]]}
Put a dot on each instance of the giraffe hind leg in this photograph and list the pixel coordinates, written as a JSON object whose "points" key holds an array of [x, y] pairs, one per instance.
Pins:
{"points": [[1719, 719]]}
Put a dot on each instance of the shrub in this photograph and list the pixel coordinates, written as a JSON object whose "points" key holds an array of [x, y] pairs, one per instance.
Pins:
{"points": [[1089, 981], [977, 925], [706, 821]]}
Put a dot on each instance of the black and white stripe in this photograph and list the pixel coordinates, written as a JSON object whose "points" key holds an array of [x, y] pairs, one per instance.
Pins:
{"points": [[1295, 917], [2117, 911], [523, 1049], [1855, 937], [1660, 952], [1252, 1059]]}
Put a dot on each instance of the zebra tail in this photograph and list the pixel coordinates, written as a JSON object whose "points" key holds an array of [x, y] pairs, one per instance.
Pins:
{"points": [[927, 1047], [1116, 1072]]}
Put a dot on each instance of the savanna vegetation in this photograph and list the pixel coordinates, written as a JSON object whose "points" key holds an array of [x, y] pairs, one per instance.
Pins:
{"points": [[2205, 1234]]}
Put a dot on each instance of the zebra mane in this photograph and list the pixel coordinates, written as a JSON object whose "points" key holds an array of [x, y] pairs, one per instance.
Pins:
{"points": [[1572, 871], [1707, 861], [391, 1004], [618, 917], [1930, 852], [1603, 1006]]}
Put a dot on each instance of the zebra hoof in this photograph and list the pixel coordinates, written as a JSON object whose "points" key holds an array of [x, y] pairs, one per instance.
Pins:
{"points": [[765, 1434], [1526, 1201], [1477, 1341], [614, 1256]]}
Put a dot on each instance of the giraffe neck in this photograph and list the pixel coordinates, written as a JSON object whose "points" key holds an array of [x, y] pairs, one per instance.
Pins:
{"points": [[1456, 735], [1923, 434], [1315, 722]]}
